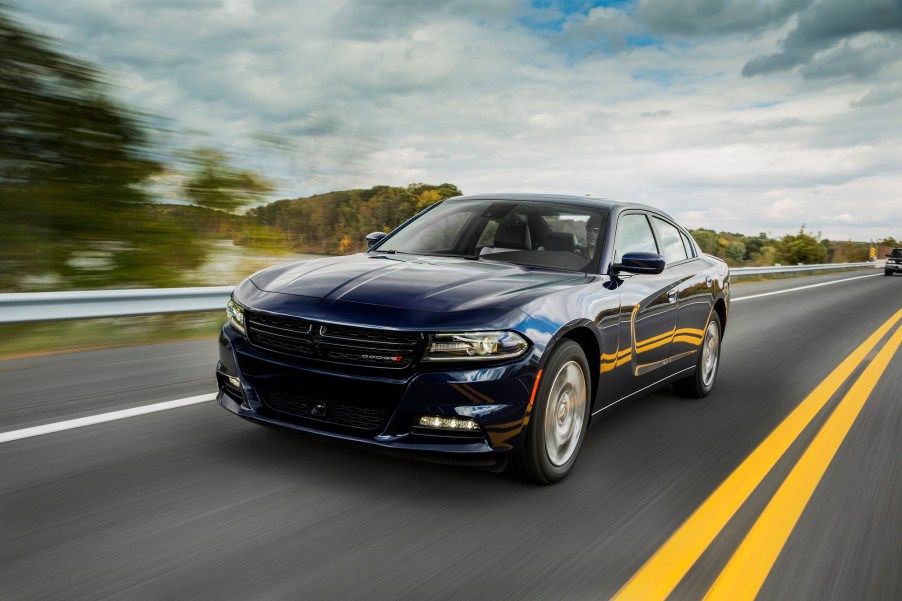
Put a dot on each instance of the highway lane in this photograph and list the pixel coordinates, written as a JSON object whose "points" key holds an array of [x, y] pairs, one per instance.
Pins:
{"points": [[40, 390], [196, 503]]}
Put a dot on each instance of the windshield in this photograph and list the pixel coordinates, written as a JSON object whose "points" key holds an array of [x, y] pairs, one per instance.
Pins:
{"points": [[897, 253], [542, 234]]}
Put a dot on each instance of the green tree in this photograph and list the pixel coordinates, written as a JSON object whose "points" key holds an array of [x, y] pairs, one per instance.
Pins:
{"points": [[73, 169], [755, 245], [212, 182], [801, 248], [735, 251], [707, 240], [830, 250]]}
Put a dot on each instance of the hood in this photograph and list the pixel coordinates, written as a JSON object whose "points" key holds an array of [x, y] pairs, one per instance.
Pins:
{"points": [[437, 284]]}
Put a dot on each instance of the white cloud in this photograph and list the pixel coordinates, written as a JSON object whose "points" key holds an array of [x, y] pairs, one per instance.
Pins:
{"points": [[649, 105]]}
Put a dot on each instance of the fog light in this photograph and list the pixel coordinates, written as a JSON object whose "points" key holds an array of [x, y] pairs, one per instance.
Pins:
{"points": [[234, 382], [437, 422]]}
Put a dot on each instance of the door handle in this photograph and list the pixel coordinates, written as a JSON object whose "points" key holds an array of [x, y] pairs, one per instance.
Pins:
{"points": [[672, 295]]}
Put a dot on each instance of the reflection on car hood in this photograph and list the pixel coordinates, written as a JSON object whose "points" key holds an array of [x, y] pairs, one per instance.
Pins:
{"points": [[412, 282]]}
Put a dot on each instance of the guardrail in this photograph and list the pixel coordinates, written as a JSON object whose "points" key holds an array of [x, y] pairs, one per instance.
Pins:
{"points": [[792, 268], [51, 306], [29, 307]]}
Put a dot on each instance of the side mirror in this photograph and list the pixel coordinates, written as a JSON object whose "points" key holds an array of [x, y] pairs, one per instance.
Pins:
{"points": [[640, 262], [373, 237]]}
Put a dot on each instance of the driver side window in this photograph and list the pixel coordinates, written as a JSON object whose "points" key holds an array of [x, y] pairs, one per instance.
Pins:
{"points": [[634, 235]]}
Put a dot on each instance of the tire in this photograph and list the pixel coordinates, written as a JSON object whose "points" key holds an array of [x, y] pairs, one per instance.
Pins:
{"points": [[887, 272], [560, 417], [699, 384]]}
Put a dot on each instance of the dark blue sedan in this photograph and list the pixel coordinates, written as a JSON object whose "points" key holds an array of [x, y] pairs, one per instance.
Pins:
{"points": [[487, 329]]}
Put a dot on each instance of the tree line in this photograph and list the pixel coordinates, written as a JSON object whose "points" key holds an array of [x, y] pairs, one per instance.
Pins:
{"points": [[336, 222], [804, 247]]}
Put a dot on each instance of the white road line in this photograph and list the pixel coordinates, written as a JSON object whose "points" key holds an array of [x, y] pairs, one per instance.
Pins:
{"points": [[736, 300], [81, 422]]}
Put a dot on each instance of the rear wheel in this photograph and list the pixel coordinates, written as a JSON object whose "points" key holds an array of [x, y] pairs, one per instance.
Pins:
{"points": [[700, 383], [560, 416]]}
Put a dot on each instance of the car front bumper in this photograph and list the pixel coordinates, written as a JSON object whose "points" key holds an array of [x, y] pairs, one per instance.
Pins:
{"points": [[893, 266], [378, 407]]}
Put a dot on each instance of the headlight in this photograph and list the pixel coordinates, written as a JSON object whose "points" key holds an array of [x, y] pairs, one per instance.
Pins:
{"points": [[474, 346], [236, 315]]}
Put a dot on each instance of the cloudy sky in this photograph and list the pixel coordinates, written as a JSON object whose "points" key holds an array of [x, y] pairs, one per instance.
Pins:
{"points": [[743, 115]]}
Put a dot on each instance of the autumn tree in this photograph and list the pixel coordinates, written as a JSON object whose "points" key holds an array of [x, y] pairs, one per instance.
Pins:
{"points": [[336, 222], [427, 195]]}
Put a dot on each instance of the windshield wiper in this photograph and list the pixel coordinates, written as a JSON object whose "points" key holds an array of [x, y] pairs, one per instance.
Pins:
{"points": [[401, 252], [456, 256]]}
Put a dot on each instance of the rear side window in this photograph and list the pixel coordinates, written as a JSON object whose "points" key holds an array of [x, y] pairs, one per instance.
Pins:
{"points": [[671, 241], [634, 235], [690, 250]]}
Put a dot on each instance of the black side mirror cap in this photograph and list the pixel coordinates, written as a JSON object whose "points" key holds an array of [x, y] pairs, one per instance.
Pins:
{"points": [[640, 262], [374, 237]]}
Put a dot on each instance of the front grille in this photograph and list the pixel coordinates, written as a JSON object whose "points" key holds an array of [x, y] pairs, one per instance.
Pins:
{"points": [[357, 417], [309, 408], [341, 344]]}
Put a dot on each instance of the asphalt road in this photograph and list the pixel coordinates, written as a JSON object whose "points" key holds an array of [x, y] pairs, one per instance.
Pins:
{"points": [[194, 503]]}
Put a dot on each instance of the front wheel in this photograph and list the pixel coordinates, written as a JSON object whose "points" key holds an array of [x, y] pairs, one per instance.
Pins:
{"points": [[560, 416], [887, 272], [700, 383]]}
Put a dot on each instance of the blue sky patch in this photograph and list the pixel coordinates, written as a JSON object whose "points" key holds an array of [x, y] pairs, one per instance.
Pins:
{"points": [[642, 41], [759, 105], [660, 77], [551, 15]]}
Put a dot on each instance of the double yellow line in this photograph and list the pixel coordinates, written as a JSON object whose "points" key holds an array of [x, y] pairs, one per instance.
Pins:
{"points": [[749, 566]]}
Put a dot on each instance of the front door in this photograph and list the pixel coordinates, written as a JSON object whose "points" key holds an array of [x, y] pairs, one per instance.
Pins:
{"points": [[648, 311]]}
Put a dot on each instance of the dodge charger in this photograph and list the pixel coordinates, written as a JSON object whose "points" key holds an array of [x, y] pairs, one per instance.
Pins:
{"points": [[490, 329]]}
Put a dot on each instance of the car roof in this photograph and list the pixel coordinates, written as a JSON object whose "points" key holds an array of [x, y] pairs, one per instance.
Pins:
{"points": [[585, 201]]}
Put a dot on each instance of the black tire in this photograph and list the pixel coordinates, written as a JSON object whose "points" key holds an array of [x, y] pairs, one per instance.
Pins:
{"points": [[559, 418], [887, 272], [700, 383]]}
